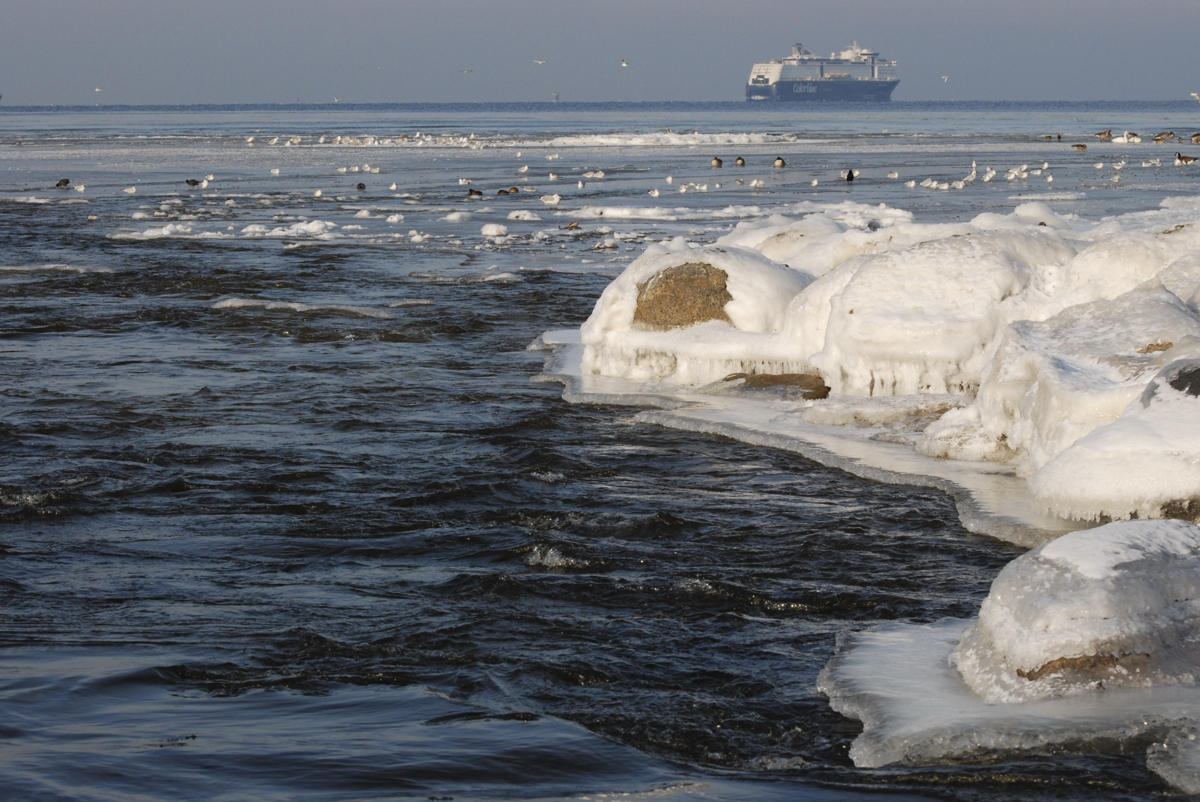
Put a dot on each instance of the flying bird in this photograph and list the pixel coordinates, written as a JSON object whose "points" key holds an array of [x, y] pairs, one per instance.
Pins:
{"points": [[945, 78], [464, 72], [535, 61], [97, 89], [1196, 96], [624, 63]]}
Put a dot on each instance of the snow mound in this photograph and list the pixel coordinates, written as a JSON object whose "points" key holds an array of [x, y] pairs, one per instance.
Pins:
{"points": [[1117, 606], [920, 319], [1146, 463], [759, 292], [1050, 383]]}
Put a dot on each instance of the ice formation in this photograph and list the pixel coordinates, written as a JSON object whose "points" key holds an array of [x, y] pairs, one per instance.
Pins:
{"points": [[1050, 328], [759, 293], [1089, 641], [1117, 606]]}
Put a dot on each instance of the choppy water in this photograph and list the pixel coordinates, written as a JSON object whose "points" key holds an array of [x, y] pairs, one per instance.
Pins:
{"points": [[282, 515]]}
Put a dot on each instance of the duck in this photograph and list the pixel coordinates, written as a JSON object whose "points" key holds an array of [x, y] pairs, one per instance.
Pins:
{"points": [[1196, 139], [474, 193], [1163, 136], [62, 183], [191, 182], [502, 192], [1079, 146], [739, 162], [779, 162], [716, 162], [361, 186], [1104, 135], [1180, 159]]}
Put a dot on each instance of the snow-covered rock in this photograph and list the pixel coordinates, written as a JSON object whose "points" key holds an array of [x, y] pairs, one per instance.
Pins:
{"points": [[759, 291], [1117, 606]]}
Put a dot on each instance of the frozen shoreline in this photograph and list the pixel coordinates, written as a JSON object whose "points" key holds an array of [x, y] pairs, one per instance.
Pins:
{"points": [[990, 499]]}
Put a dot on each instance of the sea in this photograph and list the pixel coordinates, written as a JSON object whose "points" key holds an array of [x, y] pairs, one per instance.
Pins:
{"points": [[285, 516]]}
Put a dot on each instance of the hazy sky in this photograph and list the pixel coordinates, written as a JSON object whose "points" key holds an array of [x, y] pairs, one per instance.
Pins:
{"points": [[240, 51]]}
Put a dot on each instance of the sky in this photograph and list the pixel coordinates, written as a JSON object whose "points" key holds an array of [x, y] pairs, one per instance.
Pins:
{"points": [[405, 51]]}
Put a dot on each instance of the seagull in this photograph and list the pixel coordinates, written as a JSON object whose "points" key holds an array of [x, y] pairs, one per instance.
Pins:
{"points": [[1196, 96], [337, 100], [129, 190], [945, 78], [535, 61], [97, 89], [464, 72], [624, 63], [654, 193]]}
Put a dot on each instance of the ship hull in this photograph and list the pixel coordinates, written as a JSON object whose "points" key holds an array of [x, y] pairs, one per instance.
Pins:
{"points": [[807, 91]]}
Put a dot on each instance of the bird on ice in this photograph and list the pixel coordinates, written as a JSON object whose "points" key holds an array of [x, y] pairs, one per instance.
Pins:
{"points": [[62, 183]]}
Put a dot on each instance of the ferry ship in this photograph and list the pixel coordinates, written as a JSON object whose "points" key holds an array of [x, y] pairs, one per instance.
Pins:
{"points": [[853, 74]]}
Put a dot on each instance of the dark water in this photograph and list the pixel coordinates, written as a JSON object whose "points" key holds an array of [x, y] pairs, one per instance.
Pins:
{"points": [[312, 551]]}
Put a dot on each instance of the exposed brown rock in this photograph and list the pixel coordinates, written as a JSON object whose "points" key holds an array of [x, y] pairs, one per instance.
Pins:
{"points": [[813, 387], [1091, 662], [1152, 347], [682, 296]]}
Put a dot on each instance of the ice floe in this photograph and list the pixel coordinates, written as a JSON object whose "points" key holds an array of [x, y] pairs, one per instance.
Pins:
{"points": [[291, 306]]}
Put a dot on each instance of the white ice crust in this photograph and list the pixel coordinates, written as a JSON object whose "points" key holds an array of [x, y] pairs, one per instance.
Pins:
{"points": [[1049, 327], [760, 291], [1125, 598], [1112, 617]]}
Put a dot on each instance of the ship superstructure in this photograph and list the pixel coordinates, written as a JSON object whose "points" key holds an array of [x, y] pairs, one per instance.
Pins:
{"points": [[853, 74]]}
